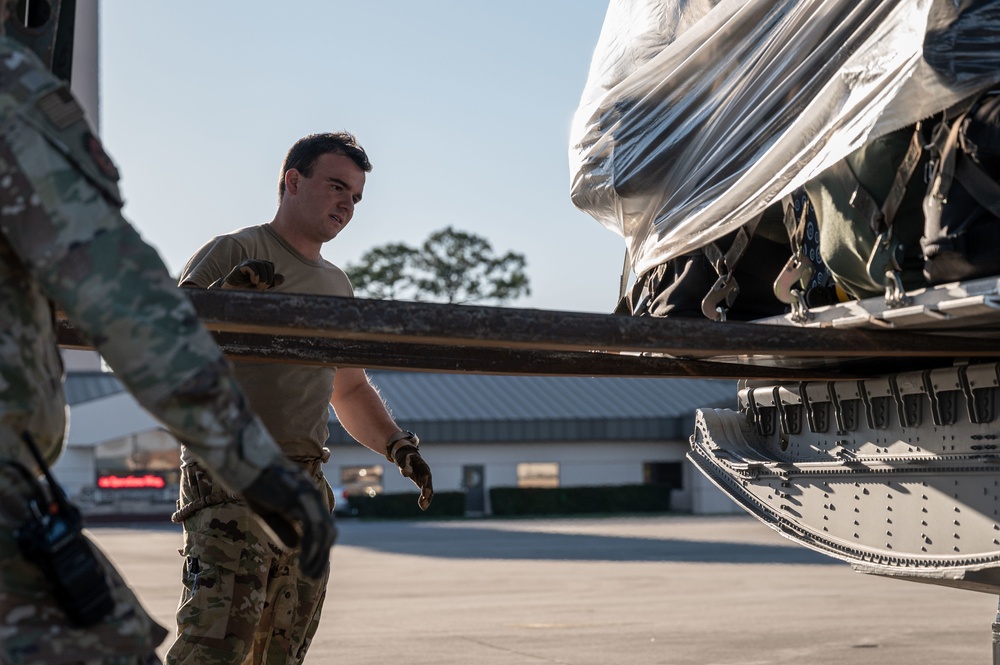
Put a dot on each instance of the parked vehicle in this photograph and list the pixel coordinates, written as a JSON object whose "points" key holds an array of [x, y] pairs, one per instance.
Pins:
{"points": [[342, 505]]}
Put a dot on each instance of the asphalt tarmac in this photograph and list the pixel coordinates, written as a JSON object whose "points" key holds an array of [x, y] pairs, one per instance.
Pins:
{"points": [[623, 590]]}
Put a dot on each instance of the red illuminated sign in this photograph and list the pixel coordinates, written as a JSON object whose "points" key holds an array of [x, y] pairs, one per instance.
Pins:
{"points": [[147, 481]]}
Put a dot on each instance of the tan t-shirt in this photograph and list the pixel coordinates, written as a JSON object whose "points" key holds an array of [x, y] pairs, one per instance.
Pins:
{"points": [[292, 400]]}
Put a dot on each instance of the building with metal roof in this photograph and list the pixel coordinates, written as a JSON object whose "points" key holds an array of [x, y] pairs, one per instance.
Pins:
{"points": [[477, 432], [484, 431], [87, 386], [488, 408]]}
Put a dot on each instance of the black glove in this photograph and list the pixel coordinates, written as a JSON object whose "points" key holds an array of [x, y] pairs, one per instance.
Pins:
{"points": [[254, 274], [282, 495], [406, 454]]}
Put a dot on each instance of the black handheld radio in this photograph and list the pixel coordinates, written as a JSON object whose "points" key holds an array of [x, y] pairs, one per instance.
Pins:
{"points": [[53, 539]]}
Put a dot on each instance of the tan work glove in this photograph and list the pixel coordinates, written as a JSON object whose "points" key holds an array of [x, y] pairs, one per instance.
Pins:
{"points": [[287, 501], [403, 450], [252, 274]]}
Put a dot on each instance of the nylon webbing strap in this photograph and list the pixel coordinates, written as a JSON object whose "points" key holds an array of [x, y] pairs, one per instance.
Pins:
{"points": [[795, 227], [880, 218], [723, 293], [979, 184], [902, 178], [944, 146], [946, 143], [944, 173], [726, 263]]}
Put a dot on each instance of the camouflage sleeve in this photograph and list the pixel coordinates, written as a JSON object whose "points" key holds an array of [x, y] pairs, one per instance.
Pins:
{"points": [[61, 216]]}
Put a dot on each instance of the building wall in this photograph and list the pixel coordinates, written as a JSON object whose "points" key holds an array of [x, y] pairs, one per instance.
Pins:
{"points": [[580, 464], [75, 471]]}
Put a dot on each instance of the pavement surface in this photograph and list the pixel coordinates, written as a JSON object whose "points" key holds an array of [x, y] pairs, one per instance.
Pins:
{"points": [[630, 590]]}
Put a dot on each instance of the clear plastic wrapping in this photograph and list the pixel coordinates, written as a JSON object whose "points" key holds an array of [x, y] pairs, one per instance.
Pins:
{"points": [[697, 114]]}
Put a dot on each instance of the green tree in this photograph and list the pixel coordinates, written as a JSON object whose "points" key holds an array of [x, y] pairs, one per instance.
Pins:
{"points": [[451, 266], [382, 272]]}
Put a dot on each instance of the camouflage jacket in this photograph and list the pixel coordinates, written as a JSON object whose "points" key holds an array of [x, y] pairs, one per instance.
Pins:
{"points": [[64, 244]]}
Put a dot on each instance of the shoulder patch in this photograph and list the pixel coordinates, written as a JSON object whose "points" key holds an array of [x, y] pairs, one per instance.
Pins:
{"points": [[59, 106], [101, 160]]}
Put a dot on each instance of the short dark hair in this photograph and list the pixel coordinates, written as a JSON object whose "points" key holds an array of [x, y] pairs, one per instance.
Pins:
{"points": [[303, 155]]}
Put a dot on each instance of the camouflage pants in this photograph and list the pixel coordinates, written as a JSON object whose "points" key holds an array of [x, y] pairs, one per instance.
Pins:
{"points": [[245, 599]]}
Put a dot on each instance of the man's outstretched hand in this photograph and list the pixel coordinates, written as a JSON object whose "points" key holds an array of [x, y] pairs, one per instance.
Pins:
{"points": [[288, 502]]}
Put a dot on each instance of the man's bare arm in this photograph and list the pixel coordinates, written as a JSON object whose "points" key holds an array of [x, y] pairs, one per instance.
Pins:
{"points": [[365, 416], [361, 410]]}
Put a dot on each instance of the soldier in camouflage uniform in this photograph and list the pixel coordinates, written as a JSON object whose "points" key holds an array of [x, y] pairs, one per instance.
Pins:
{"points": [[245, 601], [64, 244]]}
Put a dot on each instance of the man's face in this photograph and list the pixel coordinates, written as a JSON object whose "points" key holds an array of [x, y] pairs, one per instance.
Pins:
{"points": [[323, 203]]}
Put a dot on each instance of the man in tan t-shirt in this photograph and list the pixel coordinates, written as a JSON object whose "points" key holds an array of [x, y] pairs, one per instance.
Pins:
{"points": [[243, 593]]}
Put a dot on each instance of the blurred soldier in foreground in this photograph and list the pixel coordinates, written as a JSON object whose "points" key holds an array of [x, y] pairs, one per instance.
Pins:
{"points": [[64, 244]]}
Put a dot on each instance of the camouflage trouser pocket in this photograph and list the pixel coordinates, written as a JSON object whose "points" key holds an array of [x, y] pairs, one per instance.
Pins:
{"points": [[208, 592], [224, 583]]}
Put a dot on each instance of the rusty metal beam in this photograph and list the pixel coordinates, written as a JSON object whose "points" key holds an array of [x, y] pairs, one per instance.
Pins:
{"points": [[491, 360], [361, 319], [455, 359], [460, 338]]}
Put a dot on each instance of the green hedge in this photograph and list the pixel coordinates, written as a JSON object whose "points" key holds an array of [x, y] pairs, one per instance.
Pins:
{"points": [[445, 504], [522, 501], [577, 500]]}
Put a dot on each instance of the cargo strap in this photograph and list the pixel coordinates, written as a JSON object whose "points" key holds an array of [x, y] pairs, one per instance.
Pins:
{"points": [[884, 264], [880, 218], [902, 178], [886, 261], [631, 300], [723, 293], [980, 185], [790, 284], [955, 159]]}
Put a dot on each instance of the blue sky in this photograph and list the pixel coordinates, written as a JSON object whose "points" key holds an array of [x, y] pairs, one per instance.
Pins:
{"points": [[464, 107]]}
